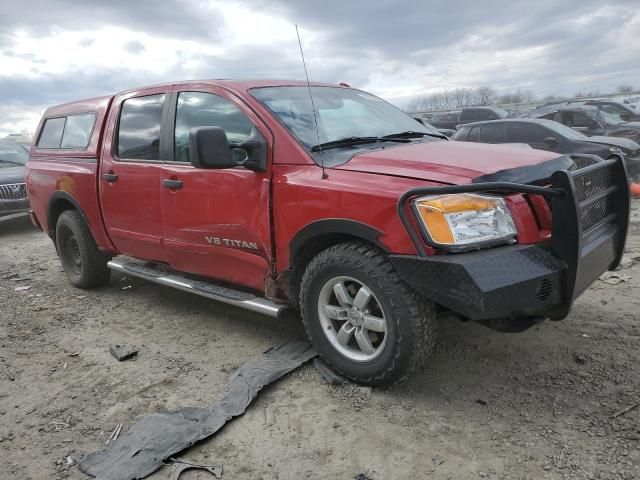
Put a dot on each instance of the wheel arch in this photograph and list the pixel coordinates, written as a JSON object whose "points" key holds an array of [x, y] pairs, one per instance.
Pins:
{"points": [[319, 235], [58, 203]]}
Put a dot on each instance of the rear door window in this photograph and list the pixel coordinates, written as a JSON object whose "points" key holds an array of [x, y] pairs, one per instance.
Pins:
{"points": [[526, 133], [492, 133], [51, 135], [577, 119], [77, 131], [139, 128]]}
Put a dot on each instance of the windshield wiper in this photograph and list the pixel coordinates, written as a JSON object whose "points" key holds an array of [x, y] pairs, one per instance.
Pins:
{"points": [[349, 141], [414, 134]]}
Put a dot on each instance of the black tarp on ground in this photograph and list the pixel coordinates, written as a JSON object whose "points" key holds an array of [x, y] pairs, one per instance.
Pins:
{"points": [[141, 450]]}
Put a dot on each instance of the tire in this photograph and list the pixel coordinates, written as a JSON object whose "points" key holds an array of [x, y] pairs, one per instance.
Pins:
{"points": [[392, 353], [84, 265]]}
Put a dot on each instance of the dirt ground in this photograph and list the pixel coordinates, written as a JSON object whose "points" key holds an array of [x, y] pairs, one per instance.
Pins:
{"points": [[486, 405]]}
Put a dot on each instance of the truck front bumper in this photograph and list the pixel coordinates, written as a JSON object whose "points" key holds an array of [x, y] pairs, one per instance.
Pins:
{"points": [[590, 216], [505, 282]]}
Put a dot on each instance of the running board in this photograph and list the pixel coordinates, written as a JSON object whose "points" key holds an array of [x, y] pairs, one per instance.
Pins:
{"points": [[219, 293]]}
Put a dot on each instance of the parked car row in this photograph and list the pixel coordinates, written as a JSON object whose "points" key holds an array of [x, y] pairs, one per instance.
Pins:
{"points": [[452, 120], [605, 128], [589, 120], [544, 134]]}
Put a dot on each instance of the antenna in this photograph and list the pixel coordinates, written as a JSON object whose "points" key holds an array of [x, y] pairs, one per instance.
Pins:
{"points": [[313, 106]]}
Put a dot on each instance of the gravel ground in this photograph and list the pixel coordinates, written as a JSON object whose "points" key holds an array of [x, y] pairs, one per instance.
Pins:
{"points": [[486, 405]]}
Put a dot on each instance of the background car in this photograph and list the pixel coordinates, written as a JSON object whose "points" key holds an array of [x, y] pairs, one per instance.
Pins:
{"points": [[623, 111], [445, 120], [553, 136], [481, 114], [589, 120], [23, 139], [13, 193]]}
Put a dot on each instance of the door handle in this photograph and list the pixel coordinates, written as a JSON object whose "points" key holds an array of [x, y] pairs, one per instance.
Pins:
{"points": [[110, 177], [167, 182]]}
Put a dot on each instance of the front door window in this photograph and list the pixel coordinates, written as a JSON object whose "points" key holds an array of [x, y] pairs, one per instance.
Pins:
{"points": [[200, 109]]}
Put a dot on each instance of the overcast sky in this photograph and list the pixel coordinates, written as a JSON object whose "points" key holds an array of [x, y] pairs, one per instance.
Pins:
{"points": [[61, 50]]}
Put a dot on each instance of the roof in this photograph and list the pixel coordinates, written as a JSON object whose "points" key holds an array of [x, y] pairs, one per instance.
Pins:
{"points": [[79, 106], [539, 121], [96, 103]]}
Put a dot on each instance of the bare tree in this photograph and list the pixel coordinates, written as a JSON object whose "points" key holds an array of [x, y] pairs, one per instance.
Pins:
{"points": [[586, 93], [486, 95], [625, 88], [458, 98]]}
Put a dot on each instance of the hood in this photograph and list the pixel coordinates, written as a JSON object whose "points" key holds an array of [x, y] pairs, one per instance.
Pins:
{"points": [[625, 143], [445, 162], [11, 175]]}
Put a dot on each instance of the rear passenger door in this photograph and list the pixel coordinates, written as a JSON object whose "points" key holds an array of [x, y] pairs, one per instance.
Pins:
{"points": [[130, 171], [217, 222], [534, 135], [492, 133]]}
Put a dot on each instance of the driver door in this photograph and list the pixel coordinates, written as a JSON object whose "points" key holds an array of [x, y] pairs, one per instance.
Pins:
{"points": [[217, 222]]}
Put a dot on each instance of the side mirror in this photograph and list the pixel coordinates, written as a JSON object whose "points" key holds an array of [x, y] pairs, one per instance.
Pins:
{"points": [[625, 117], [209, 148], [550, 141]]}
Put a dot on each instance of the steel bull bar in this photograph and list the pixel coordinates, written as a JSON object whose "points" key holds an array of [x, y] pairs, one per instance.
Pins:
{"points": [[590, 219]]}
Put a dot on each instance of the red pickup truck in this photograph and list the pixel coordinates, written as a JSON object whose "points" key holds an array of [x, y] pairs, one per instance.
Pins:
{"points": [[338, 204]]}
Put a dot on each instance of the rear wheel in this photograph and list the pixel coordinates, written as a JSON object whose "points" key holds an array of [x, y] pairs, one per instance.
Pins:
{"points": [[84, 265], [362, 318]]}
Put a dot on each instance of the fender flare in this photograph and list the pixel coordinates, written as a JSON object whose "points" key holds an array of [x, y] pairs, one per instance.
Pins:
{"points": [[334, 226], [60, 195]]}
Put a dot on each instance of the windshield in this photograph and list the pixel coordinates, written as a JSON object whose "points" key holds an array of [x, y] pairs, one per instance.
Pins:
{"points": [[610, 118], [565, 131], [500, 112], [342, 113], [12, 153]]}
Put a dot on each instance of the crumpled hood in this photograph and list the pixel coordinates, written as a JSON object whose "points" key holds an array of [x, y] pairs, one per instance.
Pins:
{"points": [[11, 175], [614, 141], [445, 162]]}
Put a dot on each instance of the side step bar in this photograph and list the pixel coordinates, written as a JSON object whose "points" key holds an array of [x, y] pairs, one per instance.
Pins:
{"points": [[236, 298]]}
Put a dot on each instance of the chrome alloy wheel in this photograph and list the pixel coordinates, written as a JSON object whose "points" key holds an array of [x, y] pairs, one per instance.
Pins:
{"points": [[352, 319]]}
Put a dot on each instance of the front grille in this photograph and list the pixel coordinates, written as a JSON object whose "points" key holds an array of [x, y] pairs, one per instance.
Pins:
{"points": [[592, 190], [590, 222], [592, 183], [13, 191]]}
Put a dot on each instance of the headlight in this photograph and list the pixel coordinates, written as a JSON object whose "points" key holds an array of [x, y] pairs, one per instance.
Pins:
{"points": [[465, 221]]}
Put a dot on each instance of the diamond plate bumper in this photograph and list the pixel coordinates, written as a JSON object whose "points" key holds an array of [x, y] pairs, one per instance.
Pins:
{"points": [[502, 282], [590, 215]]}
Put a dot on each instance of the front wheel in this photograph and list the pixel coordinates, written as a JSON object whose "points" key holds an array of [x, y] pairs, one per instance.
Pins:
{"points": [[362, 318], [83, 263]]}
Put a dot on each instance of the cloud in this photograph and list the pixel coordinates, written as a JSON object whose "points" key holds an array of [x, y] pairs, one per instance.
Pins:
{"points": [[134, 47], [185, 19], [70, 49]]}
